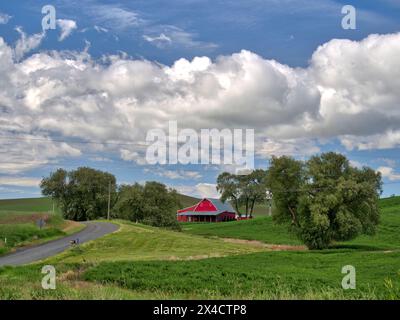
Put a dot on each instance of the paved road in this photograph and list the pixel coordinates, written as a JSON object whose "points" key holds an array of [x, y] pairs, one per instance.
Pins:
{"points": [[92, 231]]}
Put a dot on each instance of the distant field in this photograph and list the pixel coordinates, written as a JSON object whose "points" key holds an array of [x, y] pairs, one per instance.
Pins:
{"points": [[187, 201], [18, 223], [388, 234], [28, 205]]}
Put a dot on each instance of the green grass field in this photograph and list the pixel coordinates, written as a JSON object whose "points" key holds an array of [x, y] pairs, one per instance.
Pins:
{"points": [[187, 201], [259, 275], [141, 262], [18, 223], [139, 242], [28, 205], [263, 229], [259, 228]]}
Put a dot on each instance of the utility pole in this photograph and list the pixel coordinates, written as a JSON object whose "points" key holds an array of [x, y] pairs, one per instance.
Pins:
{"points": [[109, 200], [269, 199]]}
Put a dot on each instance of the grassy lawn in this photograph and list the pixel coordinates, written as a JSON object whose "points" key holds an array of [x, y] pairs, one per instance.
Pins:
{"points": [[261, 229]]}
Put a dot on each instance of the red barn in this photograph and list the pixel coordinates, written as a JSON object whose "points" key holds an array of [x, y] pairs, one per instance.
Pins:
{"points": [[207, 210]]}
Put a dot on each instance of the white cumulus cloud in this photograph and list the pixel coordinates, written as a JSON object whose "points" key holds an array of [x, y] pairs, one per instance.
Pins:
{"points": [[389, 173], [348, 92], [200, 190], [67, 27], [26, 43], [20, 181]]}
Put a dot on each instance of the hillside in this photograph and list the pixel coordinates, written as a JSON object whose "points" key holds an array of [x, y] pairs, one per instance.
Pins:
{"points": [[187, 201], [27, 205], [46, 204], [262, 228], [19, 219]]}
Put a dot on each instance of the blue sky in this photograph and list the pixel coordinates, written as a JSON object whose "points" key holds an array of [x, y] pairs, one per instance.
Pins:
{"points": [[148, 37], [288, 31]]}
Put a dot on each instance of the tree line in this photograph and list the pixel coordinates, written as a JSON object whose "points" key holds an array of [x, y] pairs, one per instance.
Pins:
{"points": [[85, 193], [323, 199]]}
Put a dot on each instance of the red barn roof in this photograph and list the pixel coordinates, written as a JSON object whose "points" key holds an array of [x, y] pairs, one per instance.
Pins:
{"points": [[207, 206]]}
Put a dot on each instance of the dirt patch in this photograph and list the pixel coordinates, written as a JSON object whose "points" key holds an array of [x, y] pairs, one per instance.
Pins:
{"points": [[78, 284], [24, 218], [197, 257], [273, 247]]}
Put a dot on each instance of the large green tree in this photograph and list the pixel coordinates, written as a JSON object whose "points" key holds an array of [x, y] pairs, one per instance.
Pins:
{"points": [[152, 203], [82, 194], [285, 179], [244, 191], [325, 198]]}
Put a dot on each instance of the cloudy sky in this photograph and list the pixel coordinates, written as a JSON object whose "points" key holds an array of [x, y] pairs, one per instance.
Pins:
{"points": [[87, 92]]}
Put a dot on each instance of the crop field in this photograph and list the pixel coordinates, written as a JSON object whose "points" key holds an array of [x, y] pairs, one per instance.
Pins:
{"points": [[28, 205], [19, 223], [142, 262], [259, 275]]}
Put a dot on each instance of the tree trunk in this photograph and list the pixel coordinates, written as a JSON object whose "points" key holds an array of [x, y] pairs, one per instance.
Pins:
{"points": [[237, 205], [294, 219], [252, 207]]}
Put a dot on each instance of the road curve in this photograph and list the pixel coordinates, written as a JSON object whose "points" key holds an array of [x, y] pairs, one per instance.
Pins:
{"points": [[93, 230]]}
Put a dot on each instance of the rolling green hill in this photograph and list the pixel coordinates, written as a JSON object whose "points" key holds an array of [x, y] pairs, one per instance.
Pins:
{"points": [[46, 204], [187, 201], [27, 205], [18, 223], [260, 229], [263, 229]]}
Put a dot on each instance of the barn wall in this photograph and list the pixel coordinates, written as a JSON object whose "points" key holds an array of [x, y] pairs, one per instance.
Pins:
{"points": [[226, 216], [182, 218]]}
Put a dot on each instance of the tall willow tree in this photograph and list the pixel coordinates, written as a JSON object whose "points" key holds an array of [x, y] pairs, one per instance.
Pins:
{"points": [[325, 198]]}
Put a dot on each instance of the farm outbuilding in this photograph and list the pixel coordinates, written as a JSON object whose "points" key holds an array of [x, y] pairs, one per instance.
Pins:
{"points": [[207, 210]]}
